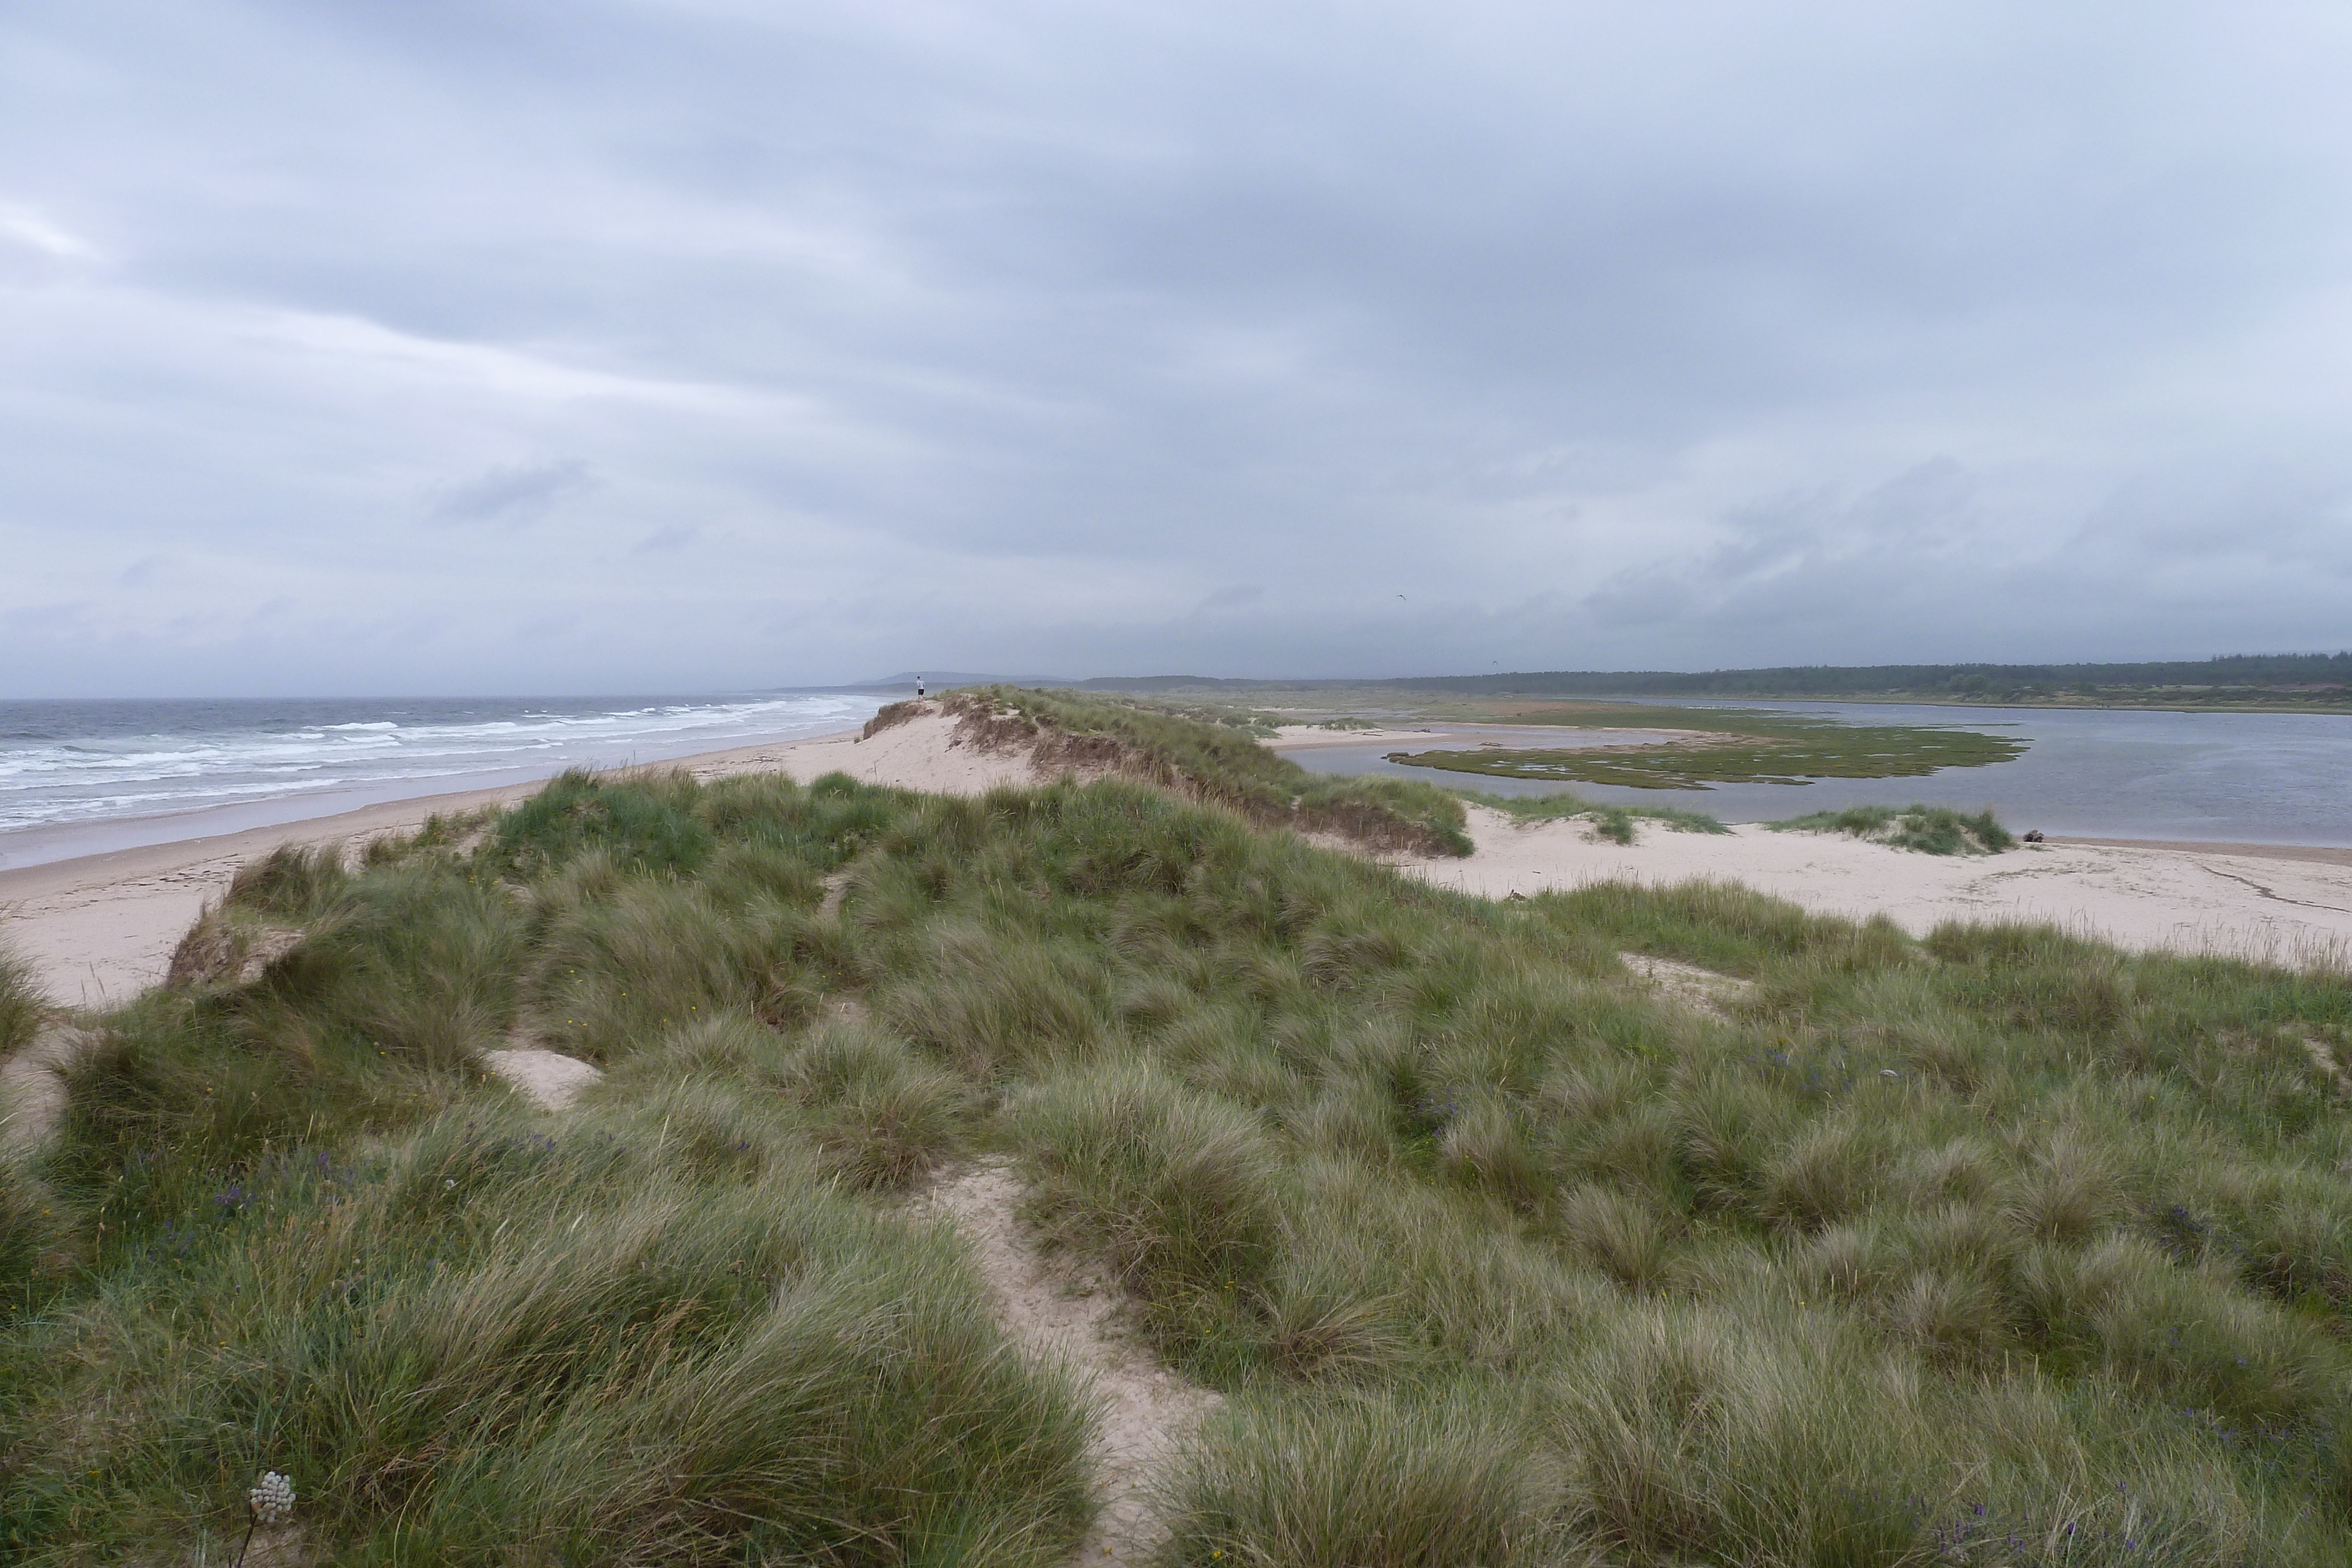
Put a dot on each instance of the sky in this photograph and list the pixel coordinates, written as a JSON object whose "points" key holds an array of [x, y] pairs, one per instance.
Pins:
{"points": [[688, 345]]}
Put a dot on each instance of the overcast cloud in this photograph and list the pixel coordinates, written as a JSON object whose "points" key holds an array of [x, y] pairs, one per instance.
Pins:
{"points": [[694, 344]]}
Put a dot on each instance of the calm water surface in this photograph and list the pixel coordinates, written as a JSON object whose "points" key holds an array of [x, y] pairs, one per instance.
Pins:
{"points": [[2245, 778]]}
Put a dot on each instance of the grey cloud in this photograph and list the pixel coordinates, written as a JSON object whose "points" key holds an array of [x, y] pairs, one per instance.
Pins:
{"points": [[515, 495], [674, 537], [2283, 517], [1033, 334], [1644, 596], [1910, 524]]}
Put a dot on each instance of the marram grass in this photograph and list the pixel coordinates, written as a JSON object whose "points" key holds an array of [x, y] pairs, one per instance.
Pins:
{"points": [[1995, 1248]]}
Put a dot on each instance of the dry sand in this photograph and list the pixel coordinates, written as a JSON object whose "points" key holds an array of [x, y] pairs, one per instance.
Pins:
{"points": [[2294, 905], [33, 1089], [548, 1078], [100, 928], [919, 754]]}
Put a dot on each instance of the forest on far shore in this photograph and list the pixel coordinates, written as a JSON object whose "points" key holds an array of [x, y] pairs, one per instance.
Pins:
{"points": [[2238, 680]]}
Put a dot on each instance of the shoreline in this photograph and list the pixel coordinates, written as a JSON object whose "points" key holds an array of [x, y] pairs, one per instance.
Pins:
{"points": [[2321, 854], [100, 927], [47, 843]]}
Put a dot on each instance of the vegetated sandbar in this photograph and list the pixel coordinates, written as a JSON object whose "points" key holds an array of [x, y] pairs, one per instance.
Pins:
{"points": [[1733, 748], [102, 928]]}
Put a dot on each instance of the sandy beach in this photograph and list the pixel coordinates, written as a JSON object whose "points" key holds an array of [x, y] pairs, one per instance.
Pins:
{"points": [[102, 928]]}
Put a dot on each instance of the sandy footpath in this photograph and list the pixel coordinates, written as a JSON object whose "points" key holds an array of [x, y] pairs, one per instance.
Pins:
{"points": [[100, 928], [2289, 904]]}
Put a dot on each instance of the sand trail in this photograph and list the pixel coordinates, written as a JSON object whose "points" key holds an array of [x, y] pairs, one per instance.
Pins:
{"points": [[33, 1088], [548, 1078], [1702, 991], [1071, 1318]]}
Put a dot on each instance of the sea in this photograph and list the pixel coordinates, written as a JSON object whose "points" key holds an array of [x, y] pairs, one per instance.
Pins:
{"points": [[81, 778], [2135, 773]]}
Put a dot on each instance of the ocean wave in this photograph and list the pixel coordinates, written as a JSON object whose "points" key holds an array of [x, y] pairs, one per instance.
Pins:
{"points": [[160, 769]]}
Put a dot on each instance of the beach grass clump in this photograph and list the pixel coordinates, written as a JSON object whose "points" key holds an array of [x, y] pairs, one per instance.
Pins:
{"points": [[417, 961], [882, 1114], [889, 716], [1930, 830], [617, 965], [488, 1340], [1616, 823], [1997, 1246], [1172, 1186], [22, 1006], [995, 1005], [292, 882], [648, 828], [1219, 764], [1360, 1480]]}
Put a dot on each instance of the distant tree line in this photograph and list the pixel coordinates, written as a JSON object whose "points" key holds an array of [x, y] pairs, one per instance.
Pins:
{"points": [[2268, 672], [2326, 677]]}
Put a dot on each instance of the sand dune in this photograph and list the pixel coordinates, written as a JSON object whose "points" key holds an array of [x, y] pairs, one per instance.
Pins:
{"points": [[100, 928]]}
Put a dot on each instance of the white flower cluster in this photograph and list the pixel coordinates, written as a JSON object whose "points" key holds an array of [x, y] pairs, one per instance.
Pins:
{"points": [[273, 1500]]}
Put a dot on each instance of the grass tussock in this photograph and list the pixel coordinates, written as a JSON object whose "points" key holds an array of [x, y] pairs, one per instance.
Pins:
{"points": [[1173, 1187], [1930, 830], [1355, 1481], [1618, 824], [1997, 1247], [22, 1006], [488, 1342], [1221, 765]]}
